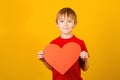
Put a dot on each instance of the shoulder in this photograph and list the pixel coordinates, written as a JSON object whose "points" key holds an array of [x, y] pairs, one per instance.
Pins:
{"points": [[56, 40], [81, 43], [78, 40]]}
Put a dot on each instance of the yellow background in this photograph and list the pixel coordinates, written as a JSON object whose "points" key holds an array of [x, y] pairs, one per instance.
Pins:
{"points": [[27, 26]]}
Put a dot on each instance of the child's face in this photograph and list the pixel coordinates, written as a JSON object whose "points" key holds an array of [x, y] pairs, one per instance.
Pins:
{"points": [[66, 24]]}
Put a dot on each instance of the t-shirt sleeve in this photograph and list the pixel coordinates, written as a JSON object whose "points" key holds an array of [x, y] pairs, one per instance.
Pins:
{"points": [[84, 48]]}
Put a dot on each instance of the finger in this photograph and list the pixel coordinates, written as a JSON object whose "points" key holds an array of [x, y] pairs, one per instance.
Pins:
{"points": [[84, 54], [40, 56], [41, 52]]}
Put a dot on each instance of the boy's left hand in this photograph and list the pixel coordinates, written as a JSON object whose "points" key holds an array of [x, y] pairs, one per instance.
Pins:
{"points": [[83, 55]]}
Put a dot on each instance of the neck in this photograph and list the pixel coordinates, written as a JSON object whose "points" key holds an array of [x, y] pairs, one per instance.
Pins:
{"points": [[66, 36]]}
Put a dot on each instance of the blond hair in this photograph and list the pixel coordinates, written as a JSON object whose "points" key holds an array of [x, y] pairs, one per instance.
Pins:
{"points": [[67, 12]]}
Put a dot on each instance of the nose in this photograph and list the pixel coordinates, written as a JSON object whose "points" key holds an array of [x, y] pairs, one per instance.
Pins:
{"points": [[65, 24]]}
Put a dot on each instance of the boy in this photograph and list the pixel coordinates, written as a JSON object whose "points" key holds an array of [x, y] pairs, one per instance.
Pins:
{"points": [[66, 20]]}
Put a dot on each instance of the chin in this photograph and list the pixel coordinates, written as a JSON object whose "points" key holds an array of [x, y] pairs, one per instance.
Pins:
{"points": [[66, 33]]}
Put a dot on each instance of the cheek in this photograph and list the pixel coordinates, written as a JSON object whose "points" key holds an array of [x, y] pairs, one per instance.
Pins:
{"points": [[59, 25], [71, 25]]}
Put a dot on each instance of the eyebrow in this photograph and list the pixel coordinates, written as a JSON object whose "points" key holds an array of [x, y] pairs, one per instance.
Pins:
{"points": [[67, 18]]}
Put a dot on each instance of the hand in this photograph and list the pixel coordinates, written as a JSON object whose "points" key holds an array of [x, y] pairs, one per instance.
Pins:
{"points": [[40, 55], [83, 55]]}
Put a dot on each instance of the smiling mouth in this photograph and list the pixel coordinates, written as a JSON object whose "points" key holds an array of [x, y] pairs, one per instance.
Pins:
{"points": [[65, 28]]}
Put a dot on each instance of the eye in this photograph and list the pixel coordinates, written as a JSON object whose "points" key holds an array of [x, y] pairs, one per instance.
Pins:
{"points": [[70, 21], [61, 21]]}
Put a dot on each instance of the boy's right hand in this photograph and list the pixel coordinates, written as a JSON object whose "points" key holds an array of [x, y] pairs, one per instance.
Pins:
{"points": [[40, 55]]}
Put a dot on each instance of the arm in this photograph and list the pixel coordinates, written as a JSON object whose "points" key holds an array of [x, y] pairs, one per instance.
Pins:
{"points": [[41, 58], [84, 60]]}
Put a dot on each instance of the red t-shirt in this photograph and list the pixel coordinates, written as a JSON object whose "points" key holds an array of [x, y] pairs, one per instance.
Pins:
{"points": [[74, 73]]}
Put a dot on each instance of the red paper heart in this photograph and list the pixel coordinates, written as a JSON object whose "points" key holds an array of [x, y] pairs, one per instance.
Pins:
{"points": [[63, 58]]}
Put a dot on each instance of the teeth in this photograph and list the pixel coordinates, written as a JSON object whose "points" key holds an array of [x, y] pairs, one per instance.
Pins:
{"points": [[65, 28]]}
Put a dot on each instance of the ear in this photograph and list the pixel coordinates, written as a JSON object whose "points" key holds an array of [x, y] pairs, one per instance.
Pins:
{"points": [[74, 25], [57, 25]]}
